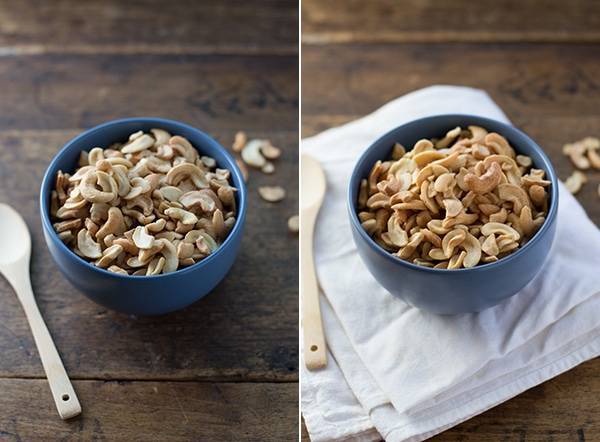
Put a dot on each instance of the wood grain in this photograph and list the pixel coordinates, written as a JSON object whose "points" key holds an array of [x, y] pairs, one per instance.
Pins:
{"points": [[213, 92], [411, 21], [231, 26], [245, 329], [144, 411]]}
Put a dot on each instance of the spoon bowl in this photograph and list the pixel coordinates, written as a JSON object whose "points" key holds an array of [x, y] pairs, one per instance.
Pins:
{"points": [[312, 182], [14, 236]]}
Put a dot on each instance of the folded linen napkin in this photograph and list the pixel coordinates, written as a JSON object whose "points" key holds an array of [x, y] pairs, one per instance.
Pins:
{"points": [[398, 373]]}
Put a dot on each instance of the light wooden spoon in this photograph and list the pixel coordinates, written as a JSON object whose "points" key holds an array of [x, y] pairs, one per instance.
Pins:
{"points": [[311, 197], [15, 245]]}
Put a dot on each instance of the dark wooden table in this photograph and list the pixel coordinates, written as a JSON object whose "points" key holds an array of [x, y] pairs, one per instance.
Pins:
{"points": [[226, 367], [539, 60]]}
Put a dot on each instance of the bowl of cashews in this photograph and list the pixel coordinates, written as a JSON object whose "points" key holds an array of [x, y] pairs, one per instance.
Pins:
{"points": [[143, 215], [453, 213]]}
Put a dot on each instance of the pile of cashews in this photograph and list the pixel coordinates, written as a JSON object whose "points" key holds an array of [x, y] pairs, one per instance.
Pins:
{"points": [[456, 202], [147, 206]]}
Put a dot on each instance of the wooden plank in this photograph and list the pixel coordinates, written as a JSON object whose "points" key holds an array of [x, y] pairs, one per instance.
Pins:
{"points": [[233, 26], [410, 21], [562, 409], [246, 329], [143, 411], [549, 91], [213, 92]]}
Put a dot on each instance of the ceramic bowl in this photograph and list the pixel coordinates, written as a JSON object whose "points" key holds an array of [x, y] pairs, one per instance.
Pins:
{"points": [[142, 295], [461, 290]]}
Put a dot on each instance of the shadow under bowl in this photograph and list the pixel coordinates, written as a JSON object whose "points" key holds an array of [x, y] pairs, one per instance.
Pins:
{"points": [[142, 295], [462, 290]]}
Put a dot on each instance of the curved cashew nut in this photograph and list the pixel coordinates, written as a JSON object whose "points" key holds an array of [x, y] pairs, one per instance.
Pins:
{"points": [[500, 229], [526, 221], [252, 155], [141, 238], [514, 194], [209, 241], [457, 261], [499, 144], [139, 144], [171, 193], [88, 189], [433, 239], [472, 246], [424, 158], [451, 135], [87, 246], [206, 199], [140, 186], [537, 194], [109, 255], [429, 202], [412, 245], [156, 226], [95, 155], [187, 170], [122, 180], [454, 161], [114, 224], [269, 151], [489, 246], [146, 255], [218, 223], [453, 207], [186, 218], [486, 182], [184, 147], [395, 235], [422, 146], [444, 182], [402, 166], [143, 202], [508, 165], [477, 133], [452, 240], [156, 266], [161, 136]]}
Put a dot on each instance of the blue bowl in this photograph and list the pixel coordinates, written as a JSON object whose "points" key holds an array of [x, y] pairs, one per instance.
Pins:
{"points": [[142, 295], [461, 290]]}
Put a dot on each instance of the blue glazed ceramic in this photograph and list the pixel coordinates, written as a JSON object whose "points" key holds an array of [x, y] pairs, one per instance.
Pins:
{"points": [[142, 295], [462, 290]]}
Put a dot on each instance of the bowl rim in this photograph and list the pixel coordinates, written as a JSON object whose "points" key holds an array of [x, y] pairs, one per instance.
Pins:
{"points": [[470, 120], [47, 187]]}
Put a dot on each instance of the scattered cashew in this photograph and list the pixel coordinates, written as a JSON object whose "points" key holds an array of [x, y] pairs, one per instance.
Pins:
{"points": [[575, 182], [272, 194]]}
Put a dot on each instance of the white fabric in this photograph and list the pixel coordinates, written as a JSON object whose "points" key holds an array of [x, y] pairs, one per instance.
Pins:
{"points": [[402, 374]]}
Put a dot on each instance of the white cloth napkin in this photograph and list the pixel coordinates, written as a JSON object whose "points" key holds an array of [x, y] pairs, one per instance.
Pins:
{"points": [[398, 373]]}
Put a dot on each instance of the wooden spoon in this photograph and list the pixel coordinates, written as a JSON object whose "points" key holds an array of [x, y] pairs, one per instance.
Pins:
{"points": [[312, 193], [15, 244]]}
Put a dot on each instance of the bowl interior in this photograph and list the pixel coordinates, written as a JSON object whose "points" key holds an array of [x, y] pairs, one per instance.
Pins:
{"points": [[119, 130], [436, 127]]}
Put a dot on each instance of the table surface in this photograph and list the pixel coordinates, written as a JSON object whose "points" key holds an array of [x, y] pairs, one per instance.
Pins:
{"points": [[224, 368], [540, 63]]}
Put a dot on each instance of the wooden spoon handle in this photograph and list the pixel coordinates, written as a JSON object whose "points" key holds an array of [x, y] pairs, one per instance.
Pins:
{"points": [[315, 351], [63, 393]]}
